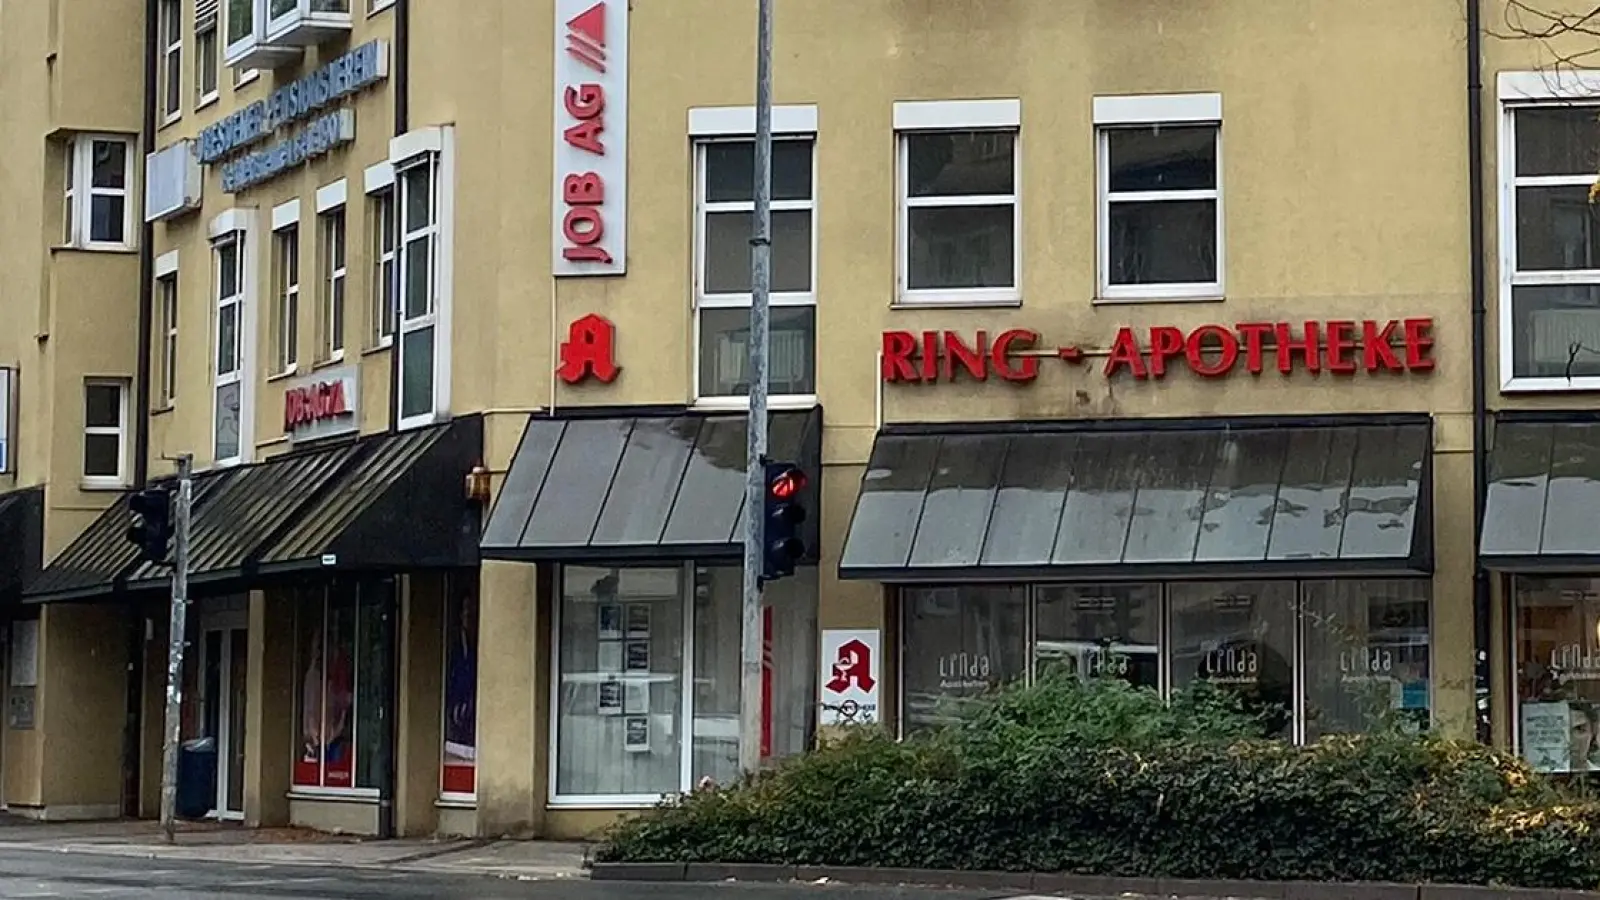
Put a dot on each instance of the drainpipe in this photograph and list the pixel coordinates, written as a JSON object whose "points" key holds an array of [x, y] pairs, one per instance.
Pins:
{"points": [[402, 123], [1480, 374], [388, 770], [133, 720]]}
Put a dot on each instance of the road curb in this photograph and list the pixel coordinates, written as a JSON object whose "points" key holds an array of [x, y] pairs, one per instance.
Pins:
{"points": [[1090, 885]]}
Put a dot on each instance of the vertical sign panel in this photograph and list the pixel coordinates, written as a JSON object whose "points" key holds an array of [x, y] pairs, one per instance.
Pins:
{"points": [[590, 195], [8, 403], [850, 673]]}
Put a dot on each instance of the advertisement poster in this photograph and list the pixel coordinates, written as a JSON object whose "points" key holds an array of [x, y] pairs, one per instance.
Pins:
{"points": [[461, 695], [850, 674], [327, 698], [1560, 737]]}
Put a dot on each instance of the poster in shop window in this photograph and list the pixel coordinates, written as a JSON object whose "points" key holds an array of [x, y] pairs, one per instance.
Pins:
{"points": [[327, 702], [461, 696]]}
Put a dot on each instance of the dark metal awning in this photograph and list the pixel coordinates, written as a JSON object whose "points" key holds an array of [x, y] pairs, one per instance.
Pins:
{"points": [[383, 502], [21, 540], [1543, 505], [637, 485], [1174, 499]]}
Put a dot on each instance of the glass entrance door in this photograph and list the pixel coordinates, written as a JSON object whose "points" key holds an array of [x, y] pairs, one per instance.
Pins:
{"points": [[224, 658]]}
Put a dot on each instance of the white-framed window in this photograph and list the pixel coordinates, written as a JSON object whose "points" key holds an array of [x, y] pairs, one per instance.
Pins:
{"points": [[959, 222], [98, 212], [286, 297], [1549, 231], [382, 232], [724, 208], [167, 357], [207, 50], [242, 77], [645, 679], [105, 432], [172, 59], [422, 172], [330, 302], [1159, 207], [228, 252]]}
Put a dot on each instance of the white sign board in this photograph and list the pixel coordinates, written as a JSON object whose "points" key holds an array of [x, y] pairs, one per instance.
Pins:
{"points": [[8, 388], [850, 671], [323, 404], [590, 196]]}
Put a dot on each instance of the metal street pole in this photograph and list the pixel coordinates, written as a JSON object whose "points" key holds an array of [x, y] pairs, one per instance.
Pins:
{"points": [[175, 634], [751, 637]]}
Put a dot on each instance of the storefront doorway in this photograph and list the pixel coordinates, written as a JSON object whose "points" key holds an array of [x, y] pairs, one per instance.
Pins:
{"points": [[224, 661]]}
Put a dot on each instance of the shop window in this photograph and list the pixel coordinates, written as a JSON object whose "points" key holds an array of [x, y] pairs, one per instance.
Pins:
{"points": [[1160, 196], [342, 669], [459, 767], [1367, 652], [725, 206], [1357, 651], [99, 173], [962, 643], [1558, 672], [959, 215], [647, 674], [1551, 327]]}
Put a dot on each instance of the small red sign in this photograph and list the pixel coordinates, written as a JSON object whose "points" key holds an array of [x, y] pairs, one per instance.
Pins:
{"points": [[589, 351], [313, 403]]}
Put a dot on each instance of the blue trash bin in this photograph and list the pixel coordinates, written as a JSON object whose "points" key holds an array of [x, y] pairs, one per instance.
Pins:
{"points": [[197, 778]]}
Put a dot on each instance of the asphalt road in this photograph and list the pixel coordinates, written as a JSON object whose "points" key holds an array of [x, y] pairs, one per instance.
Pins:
{"points": [[46, 875]]}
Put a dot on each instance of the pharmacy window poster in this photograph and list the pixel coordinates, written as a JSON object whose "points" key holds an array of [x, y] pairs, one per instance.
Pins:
{"points": [[459, 769]]}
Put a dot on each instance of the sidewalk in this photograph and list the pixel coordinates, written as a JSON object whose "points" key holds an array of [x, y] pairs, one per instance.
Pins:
{"points": [[521, 860]]}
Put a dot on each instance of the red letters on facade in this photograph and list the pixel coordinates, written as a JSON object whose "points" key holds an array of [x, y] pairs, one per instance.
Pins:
{"points": [[589, 351], [1340, 347], [314, 403], [583, 227]]}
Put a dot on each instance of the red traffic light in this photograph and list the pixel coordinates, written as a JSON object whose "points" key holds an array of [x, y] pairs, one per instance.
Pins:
{"points": [[787, 484]]}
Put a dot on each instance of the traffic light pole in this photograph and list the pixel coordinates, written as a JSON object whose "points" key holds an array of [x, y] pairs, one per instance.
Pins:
{"points": [[752, 638], [175, 635]]}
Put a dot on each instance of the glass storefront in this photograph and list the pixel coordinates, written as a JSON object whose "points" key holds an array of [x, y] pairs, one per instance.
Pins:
{"points": [[1557, 641], [1320, 657], [647, 678], [341, 673]]}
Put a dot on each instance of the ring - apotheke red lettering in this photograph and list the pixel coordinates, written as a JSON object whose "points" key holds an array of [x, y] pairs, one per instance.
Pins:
{"points": [[314, 403], [1336, 346]]}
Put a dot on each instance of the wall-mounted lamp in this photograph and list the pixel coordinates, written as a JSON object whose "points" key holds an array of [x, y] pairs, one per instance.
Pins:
{"points": [[478, 484]]}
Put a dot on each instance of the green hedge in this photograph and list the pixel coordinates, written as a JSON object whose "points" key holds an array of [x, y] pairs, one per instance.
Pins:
{"points": [[1105, 779]]}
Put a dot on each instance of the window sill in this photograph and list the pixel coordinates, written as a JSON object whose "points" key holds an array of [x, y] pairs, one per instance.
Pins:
{"points": [[335, 360], [1207, 294], [107, 486], [123, 249], [362, 796], [607, 803], [247, 80], [956, 299], [739, 404], [162, 410], [379, 6], [170, 120], [377, 348], [207, 100], [282, 374], [1554, 384], [456, 802]]}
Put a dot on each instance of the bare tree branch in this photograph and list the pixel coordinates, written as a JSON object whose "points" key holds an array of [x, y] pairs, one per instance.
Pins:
{"points": [[1559, 33]]}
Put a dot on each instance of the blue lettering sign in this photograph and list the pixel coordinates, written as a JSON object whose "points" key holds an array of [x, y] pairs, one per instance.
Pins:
{"points": [[318, 137], [365, 65]]}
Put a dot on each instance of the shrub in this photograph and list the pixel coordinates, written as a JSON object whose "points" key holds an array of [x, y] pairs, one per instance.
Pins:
{"points": [[1106, 779]]}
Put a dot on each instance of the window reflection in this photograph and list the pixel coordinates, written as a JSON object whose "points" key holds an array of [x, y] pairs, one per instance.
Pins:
{"points": [[1239, 635], [1101, 631], [1558, 672]]}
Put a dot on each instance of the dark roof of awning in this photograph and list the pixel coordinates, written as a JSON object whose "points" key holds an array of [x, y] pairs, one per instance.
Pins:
{"points": [[1174, 499], [383, 502], [1544, 491], [21, 540], [638, 484]]}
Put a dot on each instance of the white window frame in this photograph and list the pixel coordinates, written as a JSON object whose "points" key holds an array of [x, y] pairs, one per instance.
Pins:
{"points": [[1520, 91], [120, 431], [212, 27], [171, 60], [236, 225], [924, 116], [332, 280], [166, 273], [378, 185], [736, 124], [80, 191], [1154, 109], [286, 290], [432, 147]]}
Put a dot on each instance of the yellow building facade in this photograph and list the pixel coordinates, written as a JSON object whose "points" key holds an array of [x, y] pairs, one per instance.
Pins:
{"points": [[1113, 338]]}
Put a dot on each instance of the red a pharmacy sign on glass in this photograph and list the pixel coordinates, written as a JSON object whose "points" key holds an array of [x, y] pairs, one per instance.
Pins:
{"points": [[850, 676]]}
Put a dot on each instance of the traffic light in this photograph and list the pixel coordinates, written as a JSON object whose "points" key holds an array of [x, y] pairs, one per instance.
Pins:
{"points": [[784, 514], [152, 523]]}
